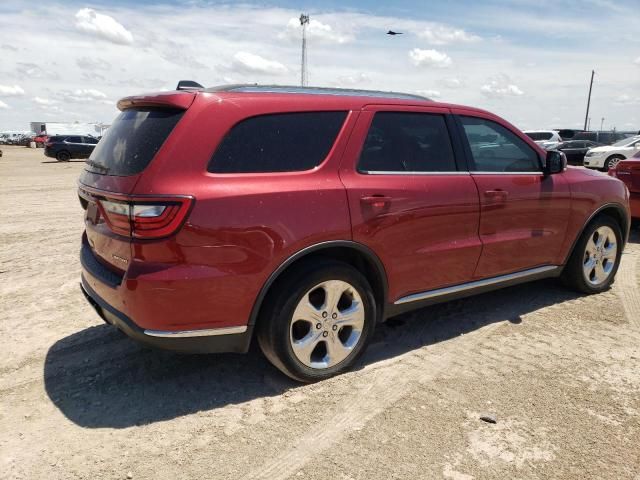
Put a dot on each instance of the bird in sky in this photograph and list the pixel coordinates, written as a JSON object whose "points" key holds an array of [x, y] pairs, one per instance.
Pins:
{"points": [[391, 32]]}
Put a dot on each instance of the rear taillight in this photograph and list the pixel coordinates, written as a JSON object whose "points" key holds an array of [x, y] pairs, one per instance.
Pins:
{"points": [[143, 218]]}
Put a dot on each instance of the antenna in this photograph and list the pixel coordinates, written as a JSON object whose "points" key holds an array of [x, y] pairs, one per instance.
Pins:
{"points": [[304, 21]]}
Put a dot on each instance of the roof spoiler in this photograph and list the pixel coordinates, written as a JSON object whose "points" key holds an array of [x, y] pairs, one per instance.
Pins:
{"points": [[188, 85]]}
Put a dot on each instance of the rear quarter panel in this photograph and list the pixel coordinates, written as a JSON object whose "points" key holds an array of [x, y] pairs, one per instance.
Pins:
{"points": [[242, 226]]}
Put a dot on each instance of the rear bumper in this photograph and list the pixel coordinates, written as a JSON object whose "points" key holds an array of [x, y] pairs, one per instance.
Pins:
{"points": [[218, 340]]}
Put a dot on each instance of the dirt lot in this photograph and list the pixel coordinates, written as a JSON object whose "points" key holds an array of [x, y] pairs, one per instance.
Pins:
{"points": [[561, 373]]}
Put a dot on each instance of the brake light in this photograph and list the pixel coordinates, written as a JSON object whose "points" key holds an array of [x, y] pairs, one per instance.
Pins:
{"points": [[143, 218]]}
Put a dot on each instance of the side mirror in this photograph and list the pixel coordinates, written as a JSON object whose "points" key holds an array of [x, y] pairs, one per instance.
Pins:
{"points": [[556, 162]]}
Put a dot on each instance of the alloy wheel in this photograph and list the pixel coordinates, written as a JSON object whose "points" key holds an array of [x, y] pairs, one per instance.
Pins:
{"points": [[600, 256], [327, 324]]}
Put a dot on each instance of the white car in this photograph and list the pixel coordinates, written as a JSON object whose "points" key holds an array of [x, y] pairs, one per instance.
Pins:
{"points": [[608, 156], [547, 139]]}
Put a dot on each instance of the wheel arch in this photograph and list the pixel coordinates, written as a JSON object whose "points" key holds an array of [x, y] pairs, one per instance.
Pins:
{"points": [[614, 210], [356, 254]]}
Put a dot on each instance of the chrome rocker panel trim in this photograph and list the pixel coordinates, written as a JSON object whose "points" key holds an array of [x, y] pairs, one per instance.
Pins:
{"points": [[478, 284]]}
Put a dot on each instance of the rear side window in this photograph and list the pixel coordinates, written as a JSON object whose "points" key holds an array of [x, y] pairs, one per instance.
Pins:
{"points": [[407, 142], [537, 136], [132, 141], [284, 142]]}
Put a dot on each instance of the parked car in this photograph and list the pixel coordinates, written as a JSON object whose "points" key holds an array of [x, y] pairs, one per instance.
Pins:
{"points": [[605, 138], [65, 147], [575, 150], [304, 216], [41, 140], [547, 139], [607, 156], [629, 172]]}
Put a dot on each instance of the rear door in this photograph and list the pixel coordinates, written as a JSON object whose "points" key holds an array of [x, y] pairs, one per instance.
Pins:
{"points": [[409, 200], [524, 213]]}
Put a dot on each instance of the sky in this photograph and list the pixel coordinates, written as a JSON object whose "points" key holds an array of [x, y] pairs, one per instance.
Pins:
{"points": [[527, 60]]}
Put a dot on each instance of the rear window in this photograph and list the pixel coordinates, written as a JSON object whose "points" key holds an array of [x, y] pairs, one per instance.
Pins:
{"points": [[132, 141], [284, 142], [537, 136]]}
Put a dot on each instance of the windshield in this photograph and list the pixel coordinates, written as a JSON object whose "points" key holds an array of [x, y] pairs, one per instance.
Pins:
{"points": [[625, 141], [539, 135], [132, 141]]}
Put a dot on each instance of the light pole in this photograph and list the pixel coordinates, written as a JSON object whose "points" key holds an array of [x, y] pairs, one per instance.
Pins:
{"points": [[601, 123], [304, 21], [589, 99]]}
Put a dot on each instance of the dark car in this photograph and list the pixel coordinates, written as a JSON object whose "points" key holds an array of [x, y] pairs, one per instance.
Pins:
{"points": [[575, 150], [305, 216], [65, 147]]}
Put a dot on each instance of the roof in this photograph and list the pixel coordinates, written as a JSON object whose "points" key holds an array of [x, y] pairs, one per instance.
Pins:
{"points": [[285, 89]]}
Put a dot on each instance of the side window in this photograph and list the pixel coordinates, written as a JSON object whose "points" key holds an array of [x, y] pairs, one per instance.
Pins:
{"points": [[496, 149], [283, 142], [74, 140], [407, 142]]}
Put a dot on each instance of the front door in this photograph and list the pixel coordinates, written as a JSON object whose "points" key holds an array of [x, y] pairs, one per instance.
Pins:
{"points": [[524, 213], [409, 200]]}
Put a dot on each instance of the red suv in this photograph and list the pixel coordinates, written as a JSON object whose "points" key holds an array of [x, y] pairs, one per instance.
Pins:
{"points": [[307, 215]]}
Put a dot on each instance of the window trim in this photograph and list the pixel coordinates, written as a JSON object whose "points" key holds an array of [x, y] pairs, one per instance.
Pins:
{"points": [[456, 148], [348, 112], [467, 146]]}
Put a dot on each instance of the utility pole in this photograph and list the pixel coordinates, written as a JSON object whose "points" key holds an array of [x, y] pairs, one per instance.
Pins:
{"points": [[601, 123], [586, 117], [588, 124], [304, 21]]}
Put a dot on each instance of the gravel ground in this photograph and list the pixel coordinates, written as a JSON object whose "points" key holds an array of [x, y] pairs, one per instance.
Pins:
{"points": [[559, 372]]}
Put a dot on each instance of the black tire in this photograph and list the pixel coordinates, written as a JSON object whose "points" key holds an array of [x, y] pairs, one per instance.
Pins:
{"points": [[63, 156], [573, 275], [276, 317], [612, 159]]}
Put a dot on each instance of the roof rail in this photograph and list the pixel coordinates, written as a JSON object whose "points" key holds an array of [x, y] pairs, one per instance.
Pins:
{"points": [[189, 85], [350, 92]]}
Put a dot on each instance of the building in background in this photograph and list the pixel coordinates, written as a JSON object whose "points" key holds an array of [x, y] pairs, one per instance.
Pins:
{"points": [[72, 128]]}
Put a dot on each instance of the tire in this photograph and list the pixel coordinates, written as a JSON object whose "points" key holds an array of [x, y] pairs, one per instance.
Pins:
{"points": [[612, 161], [590, 270], [63, 156], [307, 292]]}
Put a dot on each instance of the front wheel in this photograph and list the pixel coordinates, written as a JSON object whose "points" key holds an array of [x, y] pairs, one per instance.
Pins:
{"points": [[318, 320], [612, 161], [594, 262]]}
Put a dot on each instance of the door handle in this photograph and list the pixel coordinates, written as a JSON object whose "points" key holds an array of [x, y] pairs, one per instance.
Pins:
{"points": [[496, 196], [376, 201]]}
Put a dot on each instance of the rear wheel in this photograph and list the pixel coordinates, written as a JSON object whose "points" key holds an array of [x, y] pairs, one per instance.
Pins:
{"points": [[63, 156], [596, 257], [318, 320]]}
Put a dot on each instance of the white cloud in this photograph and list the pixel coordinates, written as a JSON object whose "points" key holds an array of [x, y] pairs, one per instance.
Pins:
{"points": [[11, 91], [637, 61], [43, 101], [246, 62], [84, 95], [3, 105], [33, 70], [429, 58], [500, 86], [351, 80], [89, 63], [103, 26], [625, 99], [429, 93], [316, 30], [443, 35], [453, 82]]}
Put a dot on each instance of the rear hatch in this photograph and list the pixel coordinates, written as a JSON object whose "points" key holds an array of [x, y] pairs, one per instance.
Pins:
{"points": [[112, 215]]}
